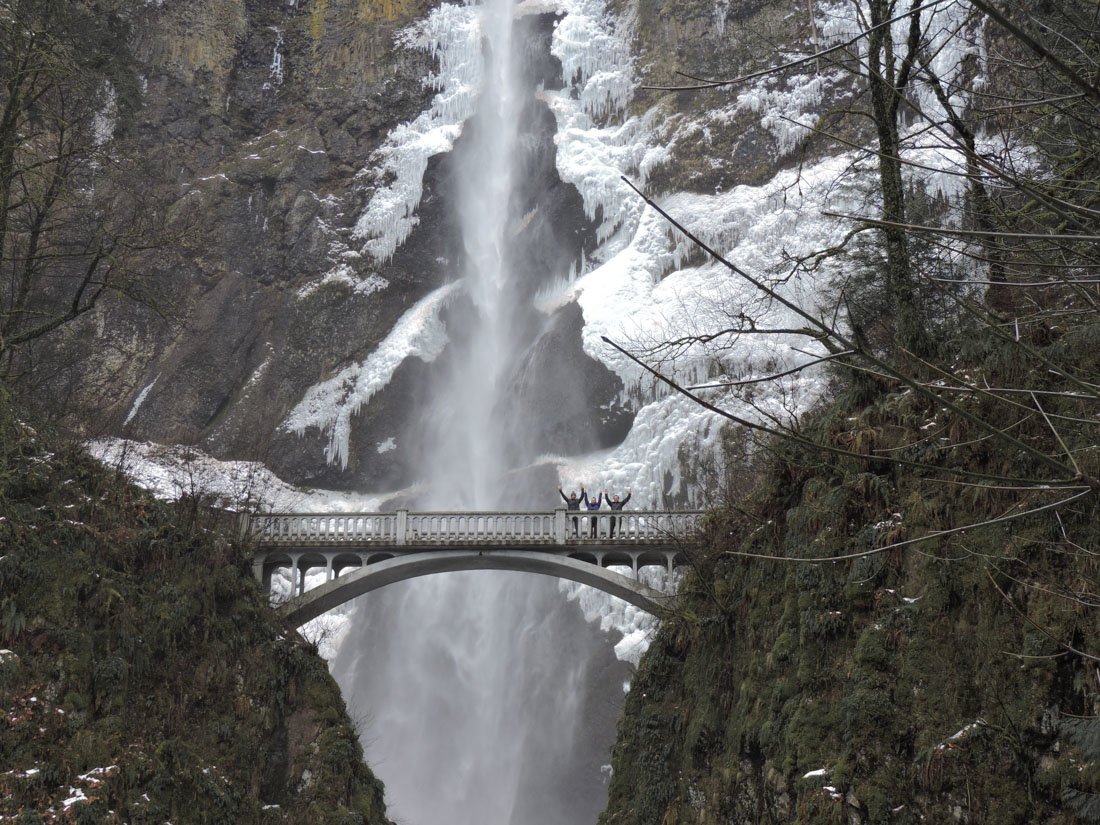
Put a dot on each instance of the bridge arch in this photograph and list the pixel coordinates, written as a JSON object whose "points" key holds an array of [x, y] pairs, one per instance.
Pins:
{"points": [[313, 603]]}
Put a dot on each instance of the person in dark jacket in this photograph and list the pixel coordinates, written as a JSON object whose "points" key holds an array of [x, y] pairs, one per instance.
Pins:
{"points": [[592, 506], [615, 504], [572, 503]]}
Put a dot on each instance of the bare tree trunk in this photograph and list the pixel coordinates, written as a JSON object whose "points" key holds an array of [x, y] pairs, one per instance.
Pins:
{"points": [[998, 298], [886, 83]]}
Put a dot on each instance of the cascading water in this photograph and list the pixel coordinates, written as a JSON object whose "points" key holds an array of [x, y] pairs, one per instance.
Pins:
{"points": [[478, 684], [466, 455]]}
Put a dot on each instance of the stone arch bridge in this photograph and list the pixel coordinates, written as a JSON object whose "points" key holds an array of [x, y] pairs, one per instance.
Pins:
{"points": [[361, 552]]}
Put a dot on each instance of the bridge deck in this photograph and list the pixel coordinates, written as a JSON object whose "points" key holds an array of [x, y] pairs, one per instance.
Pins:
{"points": [[390, 547]]}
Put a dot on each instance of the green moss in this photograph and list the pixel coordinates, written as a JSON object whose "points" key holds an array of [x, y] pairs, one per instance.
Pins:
{"points": [[929, 681], [143, 648]]}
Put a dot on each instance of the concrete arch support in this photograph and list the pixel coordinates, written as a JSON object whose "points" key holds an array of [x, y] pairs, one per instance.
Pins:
{"points": [[313, 603]]}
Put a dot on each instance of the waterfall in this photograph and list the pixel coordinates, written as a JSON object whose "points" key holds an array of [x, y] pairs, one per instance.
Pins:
{"points": [[466, 452], [477, 687]]}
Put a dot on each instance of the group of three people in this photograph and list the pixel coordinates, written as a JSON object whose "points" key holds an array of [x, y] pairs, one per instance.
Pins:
{"points": [[574, 503]]}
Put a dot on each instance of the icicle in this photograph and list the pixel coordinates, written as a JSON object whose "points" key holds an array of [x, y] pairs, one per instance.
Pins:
{"points": [[276, 73], [330, 405], [452, 35]]}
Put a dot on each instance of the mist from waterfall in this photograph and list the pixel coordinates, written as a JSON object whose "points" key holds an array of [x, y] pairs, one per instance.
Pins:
{"points": [[478, 684]]}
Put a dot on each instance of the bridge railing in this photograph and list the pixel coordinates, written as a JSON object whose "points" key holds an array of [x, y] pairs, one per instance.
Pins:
{"points": [[478, 528], [298, 528]]}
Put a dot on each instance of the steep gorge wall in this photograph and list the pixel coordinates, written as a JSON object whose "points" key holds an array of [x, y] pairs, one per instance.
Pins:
{"points": [[256, 119], [951, 680], [142, 676], [258, 125], [259, 121]]}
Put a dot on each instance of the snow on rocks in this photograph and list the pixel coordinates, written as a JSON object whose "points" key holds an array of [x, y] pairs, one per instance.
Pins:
{"points": [[140, 400], [170, 472], [953, 740], [596, 60], [344, 274]]}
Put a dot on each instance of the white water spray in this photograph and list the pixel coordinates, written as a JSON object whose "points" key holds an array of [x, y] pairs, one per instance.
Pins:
{"points": [[467, 451], [478, 683]]}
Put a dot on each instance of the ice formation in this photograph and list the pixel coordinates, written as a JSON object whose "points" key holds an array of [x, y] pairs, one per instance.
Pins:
{"points": [[276, 71], [105, 121], [452, 35], [139, 401], [172, 472], [642, 294], [330, 405], [346, 275]]}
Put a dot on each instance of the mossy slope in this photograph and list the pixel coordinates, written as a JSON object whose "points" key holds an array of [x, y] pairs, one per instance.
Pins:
{"points": [[144, 678], [947, 681]]}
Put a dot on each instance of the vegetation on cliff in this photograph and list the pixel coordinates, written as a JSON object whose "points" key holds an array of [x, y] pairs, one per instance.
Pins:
{"points": [[143, 677], [901, 624], [951, 679]]}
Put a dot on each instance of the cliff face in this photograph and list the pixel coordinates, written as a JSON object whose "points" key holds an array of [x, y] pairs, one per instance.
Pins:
{"points": [[260, 125], [256, 118], [257, 125]]}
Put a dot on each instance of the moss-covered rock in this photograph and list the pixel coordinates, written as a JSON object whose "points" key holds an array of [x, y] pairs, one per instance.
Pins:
{"points": [[143, 677], [948, 681]]}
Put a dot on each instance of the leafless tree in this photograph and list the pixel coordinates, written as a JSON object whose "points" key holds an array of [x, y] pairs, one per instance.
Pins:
{"points": [[1025, 125], [75, 216]]}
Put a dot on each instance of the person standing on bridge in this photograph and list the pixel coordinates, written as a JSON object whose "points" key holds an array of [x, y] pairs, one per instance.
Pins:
{"points": [[572, 503], [592, 506], [615, 504]]}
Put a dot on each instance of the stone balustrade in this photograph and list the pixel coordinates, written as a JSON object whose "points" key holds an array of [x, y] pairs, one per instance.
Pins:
{"points": [[483, 528]]}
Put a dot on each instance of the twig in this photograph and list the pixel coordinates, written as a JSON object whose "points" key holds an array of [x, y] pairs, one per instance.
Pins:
{"points": [[1032, 622], [774, 375], [828, 332], [1057, 435], [715, 84], [814, 445], [934, 535], [935, 230]]}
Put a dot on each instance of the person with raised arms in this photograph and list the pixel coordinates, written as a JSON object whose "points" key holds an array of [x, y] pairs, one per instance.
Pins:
{"points": [[592, 506], [615, 504], [572, 503]]}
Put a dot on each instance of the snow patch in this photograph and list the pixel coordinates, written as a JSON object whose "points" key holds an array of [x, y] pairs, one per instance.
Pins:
{"points": [[344, 274], [105, 121], [139, 401], [170, 472]]}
